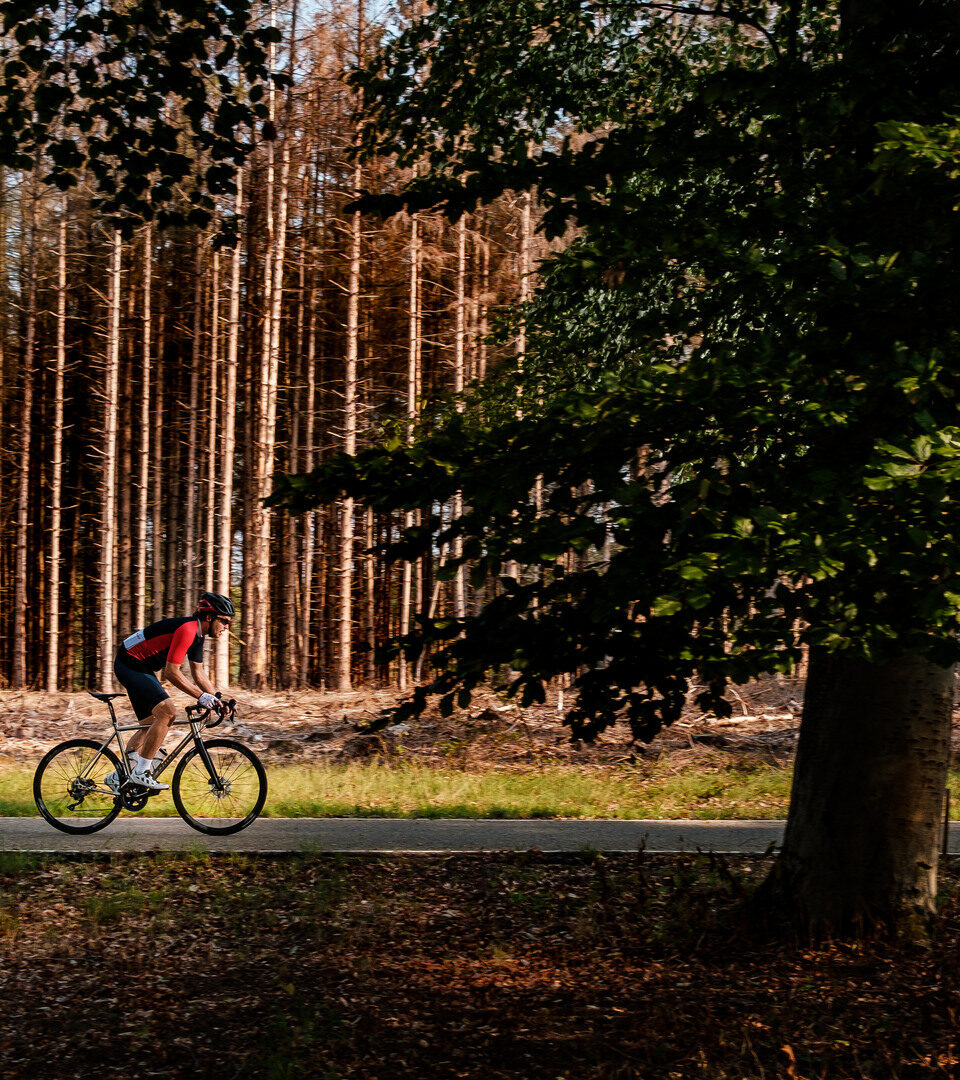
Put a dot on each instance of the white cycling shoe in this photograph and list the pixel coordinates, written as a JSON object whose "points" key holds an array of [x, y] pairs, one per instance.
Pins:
{"points": [[145, 779], [113, 781]]}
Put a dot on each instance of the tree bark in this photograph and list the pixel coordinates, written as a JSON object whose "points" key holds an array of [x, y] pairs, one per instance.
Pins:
{"points": [[143, 469], [20, 608], [56, 478], [108, 519], [190, 502], [862, 837], [228, 444]]}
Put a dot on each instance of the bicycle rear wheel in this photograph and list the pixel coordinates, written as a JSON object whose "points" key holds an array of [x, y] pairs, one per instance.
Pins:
{"points": [[226, 802], [68, 787]]}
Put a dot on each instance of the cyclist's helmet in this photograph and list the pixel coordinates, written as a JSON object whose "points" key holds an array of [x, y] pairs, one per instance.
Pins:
{"points": [[212, 603]]}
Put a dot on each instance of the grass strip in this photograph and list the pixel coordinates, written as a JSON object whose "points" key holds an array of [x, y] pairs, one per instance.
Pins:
{"points": [[409, 790]]}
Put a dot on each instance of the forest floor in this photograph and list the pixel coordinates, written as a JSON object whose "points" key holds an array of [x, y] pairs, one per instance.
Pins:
{"points": [[316, 727], [499, 966]]}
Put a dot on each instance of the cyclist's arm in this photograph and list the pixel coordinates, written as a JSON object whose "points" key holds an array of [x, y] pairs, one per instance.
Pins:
{"points": [[173, 674], [182, 641], [200, 678]]}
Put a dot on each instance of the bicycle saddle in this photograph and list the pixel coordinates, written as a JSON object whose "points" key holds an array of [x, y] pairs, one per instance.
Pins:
{"points": [[103, 697]]}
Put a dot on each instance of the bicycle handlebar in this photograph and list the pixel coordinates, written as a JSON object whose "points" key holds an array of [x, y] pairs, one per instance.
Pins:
{"points": [[199, 712]]}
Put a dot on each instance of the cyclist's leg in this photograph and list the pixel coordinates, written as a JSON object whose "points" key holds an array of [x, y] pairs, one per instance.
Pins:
{"points": [[148, 742], [151, 704]]}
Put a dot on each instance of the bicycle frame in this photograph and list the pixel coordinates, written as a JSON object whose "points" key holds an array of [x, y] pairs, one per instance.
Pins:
{"points": [[196, 726]]}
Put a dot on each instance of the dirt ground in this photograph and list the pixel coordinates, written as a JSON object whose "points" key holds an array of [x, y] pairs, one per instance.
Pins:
{"points": [[314, 726], [489, 967]]}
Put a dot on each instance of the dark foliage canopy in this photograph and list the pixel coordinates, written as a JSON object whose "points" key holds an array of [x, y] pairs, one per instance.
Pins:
{"points": [[741, 377], [143, 98]]}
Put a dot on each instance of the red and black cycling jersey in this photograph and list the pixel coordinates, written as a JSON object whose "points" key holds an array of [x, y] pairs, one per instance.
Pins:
{"points": [[166, 641]]}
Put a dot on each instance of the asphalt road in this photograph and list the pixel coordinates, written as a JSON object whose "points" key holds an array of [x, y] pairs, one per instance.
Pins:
{"points": [[370, 835]]}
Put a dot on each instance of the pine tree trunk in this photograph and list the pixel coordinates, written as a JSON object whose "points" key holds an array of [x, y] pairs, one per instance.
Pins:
{"points": [[310, 519], [228, 442], [345, 620], [459, 361], [124, 496], [56, 478], [143, 463], [213, 428], [862, 837], [20, 608], [413, 363], [189, 480], [108, 503], [158, 592]]}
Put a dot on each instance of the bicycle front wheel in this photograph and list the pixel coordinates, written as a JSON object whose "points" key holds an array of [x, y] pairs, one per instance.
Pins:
{"points": [[68, 787], [227, 800]]}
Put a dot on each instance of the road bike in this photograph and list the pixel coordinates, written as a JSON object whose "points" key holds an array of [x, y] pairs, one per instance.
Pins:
{"points": [[219, 786]]}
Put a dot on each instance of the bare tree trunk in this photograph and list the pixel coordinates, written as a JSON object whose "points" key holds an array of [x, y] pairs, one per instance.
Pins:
{"points": [[158, 592], [310, 520], [228, 442], [26, 437], [484, 328], [124, 493], [213, 425], [190, 486], [108, 503], [459, 356], [143, 472], [56, 479], [370, 581], [345, 621], [413, 363]]}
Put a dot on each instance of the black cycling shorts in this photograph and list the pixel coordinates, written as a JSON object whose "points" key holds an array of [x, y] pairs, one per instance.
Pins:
{"points": [[142, 687]]}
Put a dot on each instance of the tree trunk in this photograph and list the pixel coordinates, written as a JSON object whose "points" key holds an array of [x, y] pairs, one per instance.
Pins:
{"points": [[225, 539], [344, 652], [143, 469], [213, 427], [56, 479], [158, 592], [108, 519], [413, 364], [190, 501], [863, 830], [20, 603]]}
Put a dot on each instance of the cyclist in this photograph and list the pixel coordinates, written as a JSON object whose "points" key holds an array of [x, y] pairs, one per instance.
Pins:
{"points": [[165, 645]]}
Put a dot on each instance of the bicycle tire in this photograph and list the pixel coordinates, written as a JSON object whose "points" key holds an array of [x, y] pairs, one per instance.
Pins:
{"points": [[69, 771], [197, 777]]}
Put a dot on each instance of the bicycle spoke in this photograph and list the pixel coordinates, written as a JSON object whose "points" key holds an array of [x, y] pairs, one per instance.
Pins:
{"points": [[230, 799], [69, 787]]}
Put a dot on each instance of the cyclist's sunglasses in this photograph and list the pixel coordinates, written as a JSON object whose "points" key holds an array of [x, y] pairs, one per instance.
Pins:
{"points": [[222, 619]]}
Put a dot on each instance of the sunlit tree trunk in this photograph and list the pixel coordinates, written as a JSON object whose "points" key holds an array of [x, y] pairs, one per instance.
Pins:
{"points": [[345, 621], [108, 515], [190, 485], [56, 476], [213, 427], [159, 590], [459, 360], [20, 608], [228, 440], [413, 363], [310, 520], [143, 469]]}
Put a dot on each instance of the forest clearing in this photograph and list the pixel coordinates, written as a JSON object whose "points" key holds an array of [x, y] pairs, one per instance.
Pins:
{"points": [[495, 759]]}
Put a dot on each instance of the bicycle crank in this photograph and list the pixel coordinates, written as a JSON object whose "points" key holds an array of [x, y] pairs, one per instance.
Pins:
{"points": [[133, 797]]}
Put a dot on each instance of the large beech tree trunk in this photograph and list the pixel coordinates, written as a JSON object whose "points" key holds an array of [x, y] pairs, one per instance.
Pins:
{"points": [[866, 810]]}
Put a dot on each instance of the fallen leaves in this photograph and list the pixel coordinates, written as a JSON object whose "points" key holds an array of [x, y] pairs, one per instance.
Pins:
{"points": [[473, 966]]}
